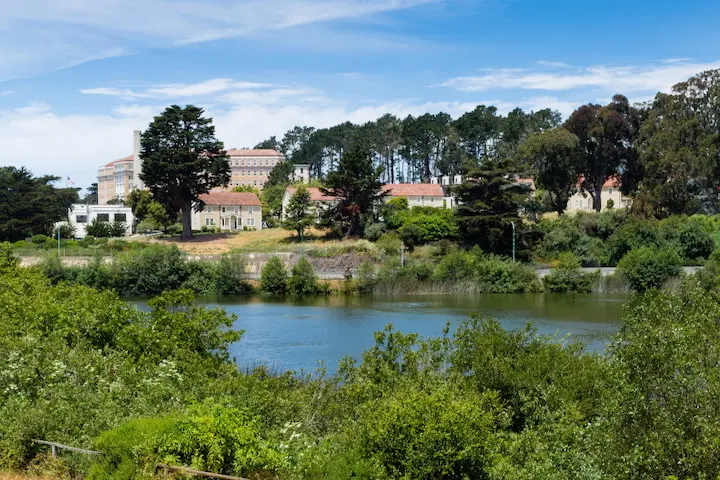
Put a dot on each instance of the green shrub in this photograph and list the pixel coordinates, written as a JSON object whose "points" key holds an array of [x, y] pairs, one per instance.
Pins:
{"points": [[174, 229], [411, 236], [150, 271], [567, 277], [499, 275], [389, 243], [66, 231], [646, 268], [117, 229], [695, 241], [303, 281], [439, 434], [39, 239], [274, 278], [456, 266], [374, 231], [149, 225], [230, 275], [8, 260], [98, 229], [365, 278]]}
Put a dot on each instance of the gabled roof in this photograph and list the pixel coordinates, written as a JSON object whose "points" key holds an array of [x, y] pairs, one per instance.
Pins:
{"points": [[413, 190], [245, 199], [267, 152], [612, 182], [315, 194], [129, 158]]}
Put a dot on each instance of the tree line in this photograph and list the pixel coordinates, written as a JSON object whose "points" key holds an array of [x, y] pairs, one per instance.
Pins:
{"points": [[666, 153]]}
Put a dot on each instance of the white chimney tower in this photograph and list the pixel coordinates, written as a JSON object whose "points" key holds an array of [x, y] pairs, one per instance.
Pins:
{"points": [[137, 164]]}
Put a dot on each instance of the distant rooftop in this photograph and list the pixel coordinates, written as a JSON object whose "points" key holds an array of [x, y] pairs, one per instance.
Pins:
{"points": [[267, 152]]}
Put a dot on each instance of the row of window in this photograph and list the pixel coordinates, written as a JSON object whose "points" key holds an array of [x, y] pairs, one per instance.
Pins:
{"points": [[226, 222], [250, 173], [102, 217], [224, 209], [253, 163], [254, 183]]}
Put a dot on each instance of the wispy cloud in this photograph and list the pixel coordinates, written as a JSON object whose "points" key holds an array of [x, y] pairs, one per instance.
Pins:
{"points": [[646, 78], [7, 93], [178, 90], [553, 64], [40, 35]]}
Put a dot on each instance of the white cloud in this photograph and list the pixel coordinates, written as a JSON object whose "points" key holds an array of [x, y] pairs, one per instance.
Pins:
{"points": [[553, 64], [113, 92], [41, 35], [648, 78], [7, 93], [204, 88]]}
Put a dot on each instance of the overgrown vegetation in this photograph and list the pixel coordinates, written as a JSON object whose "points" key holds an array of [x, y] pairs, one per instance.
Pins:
{"points": [[80, 366]]}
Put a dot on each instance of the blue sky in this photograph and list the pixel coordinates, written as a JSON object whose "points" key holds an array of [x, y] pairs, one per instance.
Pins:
{"points": [[77, 76]]}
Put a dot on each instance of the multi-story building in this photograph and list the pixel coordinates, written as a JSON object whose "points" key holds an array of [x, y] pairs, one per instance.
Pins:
{"points": [[252, 167], [248, 168], [229, 211], [115, 180]]}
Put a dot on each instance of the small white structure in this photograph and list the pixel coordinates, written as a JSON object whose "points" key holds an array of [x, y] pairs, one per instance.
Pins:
{"points": [[301, 173], [80, 215]]}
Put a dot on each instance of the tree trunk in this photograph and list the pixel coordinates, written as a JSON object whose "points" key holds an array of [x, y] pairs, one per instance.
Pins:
{"points": [[187, 221], [597, 195]]}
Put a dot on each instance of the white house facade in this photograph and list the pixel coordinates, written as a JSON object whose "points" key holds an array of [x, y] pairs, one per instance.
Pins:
{"points": [[80, 215]]}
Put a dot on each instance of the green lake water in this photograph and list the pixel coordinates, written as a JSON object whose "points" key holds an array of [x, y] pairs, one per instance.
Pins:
{"points": [[300, 335]]}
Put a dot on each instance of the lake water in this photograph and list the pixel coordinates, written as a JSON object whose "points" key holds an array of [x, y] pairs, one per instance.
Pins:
{"points": [[300, 335]]}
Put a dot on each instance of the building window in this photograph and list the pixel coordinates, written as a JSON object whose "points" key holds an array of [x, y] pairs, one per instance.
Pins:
{"points": [[255, 183], [610, 191], [250, 222], [103, 217], [209, 222], [81, 218], [120, 217], [222, 222], [250, 210], [222, 209], [578, 203], [209, 209]]}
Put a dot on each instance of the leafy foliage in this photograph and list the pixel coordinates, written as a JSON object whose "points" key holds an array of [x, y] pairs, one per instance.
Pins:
{"points": [[646, 268], [182, 159], [303, 281], [274, 279]]}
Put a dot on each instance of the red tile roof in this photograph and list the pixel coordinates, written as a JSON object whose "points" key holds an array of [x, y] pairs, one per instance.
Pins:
{"points": [[268, 152], [527, 181], [129, 158], [315, 194], [413, 190], [230, 198], [612, 182]]}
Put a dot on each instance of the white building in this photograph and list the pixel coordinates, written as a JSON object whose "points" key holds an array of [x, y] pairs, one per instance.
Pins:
{"points": [[582, 201], [80, 215]]}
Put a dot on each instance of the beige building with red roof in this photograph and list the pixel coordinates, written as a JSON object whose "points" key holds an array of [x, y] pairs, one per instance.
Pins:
{"points": [[248, 167], [252, 167], [229, 211], [581, 201]]}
